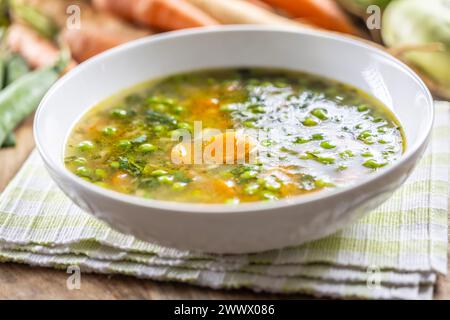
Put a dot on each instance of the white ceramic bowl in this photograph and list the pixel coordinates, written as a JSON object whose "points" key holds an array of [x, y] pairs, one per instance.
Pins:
{"points": [[246, 227]]}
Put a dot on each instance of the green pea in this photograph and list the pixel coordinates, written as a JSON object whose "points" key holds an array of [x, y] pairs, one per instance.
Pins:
{"points": [[158, 173], [85, 145], [305, 156], [256, 108], [147, 147], [109, 131], [178, 109], [266, 143], [160, 107], [228, 108], [327, 145], [373, 164], [165, 179], [100, 173], [346, 154], [378, 120], [363, 108], [310, 122], [300, 140], [83, 171], [119, 113], [364, 135], [184, 125], [124, 144], [317, 136], [115, 164], [249, 124], [314, 156], [160, 100], [320, 183], [251, 189], [80, 161], [320, 113], [178, 186], [249, 175], [326, 160], [159, 128]]}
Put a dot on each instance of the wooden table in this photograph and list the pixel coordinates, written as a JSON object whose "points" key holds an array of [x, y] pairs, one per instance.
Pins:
{"points": [[24, 282]]}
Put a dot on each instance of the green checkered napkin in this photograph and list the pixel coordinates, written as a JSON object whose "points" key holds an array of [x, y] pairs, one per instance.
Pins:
{"points": [[396, 251]]}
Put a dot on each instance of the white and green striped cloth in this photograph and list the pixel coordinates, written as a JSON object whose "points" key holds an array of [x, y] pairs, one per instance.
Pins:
{"points": [[396, 251]]}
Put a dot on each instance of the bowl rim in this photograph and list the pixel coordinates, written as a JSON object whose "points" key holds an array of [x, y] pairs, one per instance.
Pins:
{"points": [[199, 208]]}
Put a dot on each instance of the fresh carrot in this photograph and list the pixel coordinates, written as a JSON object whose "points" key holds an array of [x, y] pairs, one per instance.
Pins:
{"points": [[121, 180], [323, 13], [161, 14], [97, 32], [261, 4], [242, 12], [93, 38], [37, 51], [84, 43], [56, 11]]}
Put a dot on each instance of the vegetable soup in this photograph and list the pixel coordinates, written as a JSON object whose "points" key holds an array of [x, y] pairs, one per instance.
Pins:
{"points": [[233, 135]]}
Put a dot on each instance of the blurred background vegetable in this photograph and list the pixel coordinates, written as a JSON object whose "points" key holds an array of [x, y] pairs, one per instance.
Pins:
{"points": [[39, 22], [161, 14], [242, 12], [414, 23], [323, 13], [359, 7], [22, 97]]}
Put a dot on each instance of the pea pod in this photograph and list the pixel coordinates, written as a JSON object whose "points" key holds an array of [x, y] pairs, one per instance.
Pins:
{"points": [[44, 25], [10, 141], [2, 72], [418, 22], [22, 97], [16, 67]]}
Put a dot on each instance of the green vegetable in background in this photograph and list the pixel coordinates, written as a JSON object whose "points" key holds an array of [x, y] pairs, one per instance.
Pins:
{"points": [[10, 140], [2, 72], [16, 67], [419, 22], [359, 7], [4, 13], [22, 97], [45, 26]]}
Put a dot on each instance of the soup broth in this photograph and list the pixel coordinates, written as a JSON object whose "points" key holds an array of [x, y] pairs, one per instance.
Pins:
{"points": [[291, 134]]}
